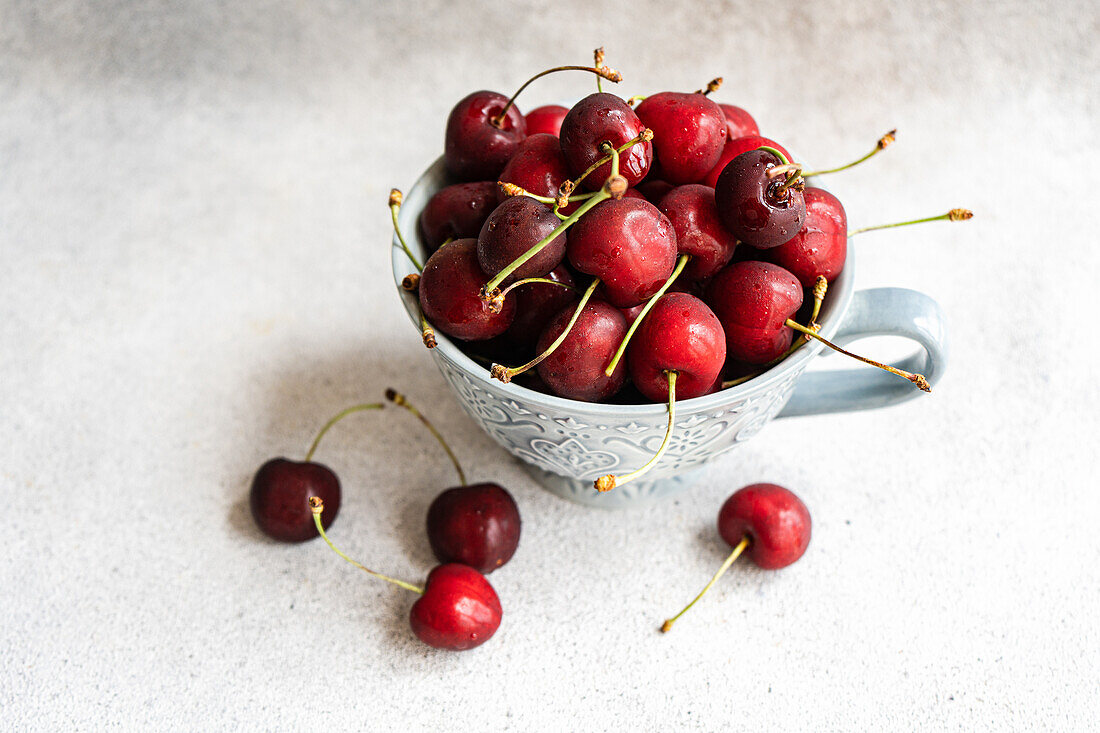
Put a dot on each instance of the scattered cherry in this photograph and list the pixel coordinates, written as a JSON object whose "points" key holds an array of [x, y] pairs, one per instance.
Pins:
{"points": [[457, 212], [280, 493], [477, 525], [458, 609]]}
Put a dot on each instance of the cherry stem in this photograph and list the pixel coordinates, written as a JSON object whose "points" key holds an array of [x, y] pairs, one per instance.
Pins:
{"points": [[953, 215], [318, 506], [712, 86], [603, 71], [427, 333], [645, 311], [401, 401], [917, 379], [776, 152], [884, 142], [529, 280], [335, 419], [636, 98], [505, 374], [598, 59], [610, 481], [644, 136], [511, 189], [821, 286], [667, 625], [395, 206]]}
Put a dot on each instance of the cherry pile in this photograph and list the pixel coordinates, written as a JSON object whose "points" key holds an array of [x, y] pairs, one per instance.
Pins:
{"points": [[473, 529], [642, 253]]}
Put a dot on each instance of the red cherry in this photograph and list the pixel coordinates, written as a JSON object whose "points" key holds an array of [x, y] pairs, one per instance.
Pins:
{"points": [[537, 167], [755, 208], [476, 525], [450, 288], [600, 118], [575, 370], [474, 148], [735, 147], [776, 522], [536, 304], [280, 494], [628, 244], [546, 119], [821, 246], [739, 123], [457, 212], [514, 227], [689, 131], [699, 231], [459, 610], [753, 301], [680, 334]]}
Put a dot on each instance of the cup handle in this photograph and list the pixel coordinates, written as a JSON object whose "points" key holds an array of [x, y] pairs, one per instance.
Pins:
{"points": [[877, 312]]}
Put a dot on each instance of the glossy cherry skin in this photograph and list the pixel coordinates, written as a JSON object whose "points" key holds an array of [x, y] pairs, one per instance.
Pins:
{"points": [[450, 294], [575, 370], [734, 148], [457, 212], [513, 228], [739, 123], [681, 334], [536, 304], [753, 301], [279, 498], [474, 148], [459, 609], [821, 245], [600, 118], [476, 525], [752, 207], [627, 243], [689, 131], [546, 119], [539, 167], [699, 231], [776, 522]]}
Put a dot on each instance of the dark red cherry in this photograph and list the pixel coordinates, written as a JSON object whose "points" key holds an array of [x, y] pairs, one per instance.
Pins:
{"points": [[600, 118], [513, 228], [279, 498], [699, 231], [753, 301], [474, 148], [575, 370], [821, 246], [755, 209], [689, 131], [546, 119], [476, 525], [776, 522], [539, 167], [680, 334], [734, 148], [458, 610], [628, 244], [457, 212], [653, 189], [450, 288], [536, 304], [739, 123]]}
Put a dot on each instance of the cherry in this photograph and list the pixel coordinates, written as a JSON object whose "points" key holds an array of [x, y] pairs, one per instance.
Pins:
{"points": [[575, 369], [735, 147], [477, 145], [546, 119], [689, 131], [449, 294], [457, 212], [458, 610], [511, 230], [680, 334], [653, 189], [477, 525], [279, 498], [769, 521], [604, 118], [739, 123], [753, 301], [537, 303], [821, 245], [760, 209], [699, 231], [538, 167], [629, 245]]}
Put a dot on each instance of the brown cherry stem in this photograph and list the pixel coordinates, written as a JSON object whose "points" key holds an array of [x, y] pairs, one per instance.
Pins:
{"points": [[597, 56], [917, 379], [603, 72], [335, 419], [427, 333], [511, 189], [712, 86], [610, 481], [317, 506], [645, 311], [401, 401], [744, 543], [953, 215], [395, 206], [884, 142]]}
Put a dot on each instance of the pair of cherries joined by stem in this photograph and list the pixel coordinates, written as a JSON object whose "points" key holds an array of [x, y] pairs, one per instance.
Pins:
{"points": [[472, 529]]}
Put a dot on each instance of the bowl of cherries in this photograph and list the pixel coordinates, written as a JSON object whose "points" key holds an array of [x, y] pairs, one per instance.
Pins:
{"points": [[620, 291]]}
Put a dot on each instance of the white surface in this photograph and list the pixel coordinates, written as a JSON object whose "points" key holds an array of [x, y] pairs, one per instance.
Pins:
{"points": [[195, 248]]}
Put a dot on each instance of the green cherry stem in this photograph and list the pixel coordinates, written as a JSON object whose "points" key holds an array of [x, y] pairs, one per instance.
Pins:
{"points": [[744, 543], [610, 481], [511, 189], [529, 280], [953, 215], [917, 379], [568, 187], [401, 401], [884, 142], [603, 71], [427, 333], [645, 311], [335, 419], [317, 506], [395, 206], [598, 58]]}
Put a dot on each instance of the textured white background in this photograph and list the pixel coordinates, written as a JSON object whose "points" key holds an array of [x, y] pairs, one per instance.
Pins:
{"points": [[194, 276]]}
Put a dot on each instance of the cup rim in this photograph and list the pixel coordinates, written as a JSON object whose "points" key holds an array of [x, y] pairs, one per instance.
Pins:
{"points": [[842, 286]]}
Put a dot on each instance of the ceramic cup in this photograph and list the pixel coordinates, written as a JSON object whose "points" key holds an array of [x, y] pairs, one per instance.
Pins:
{"points": [[566, 444]]}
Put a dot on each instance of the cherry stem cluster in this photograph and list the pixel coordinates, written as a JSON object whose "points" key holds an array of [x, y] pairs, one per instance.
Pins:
{"points": [[317, 506]]}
